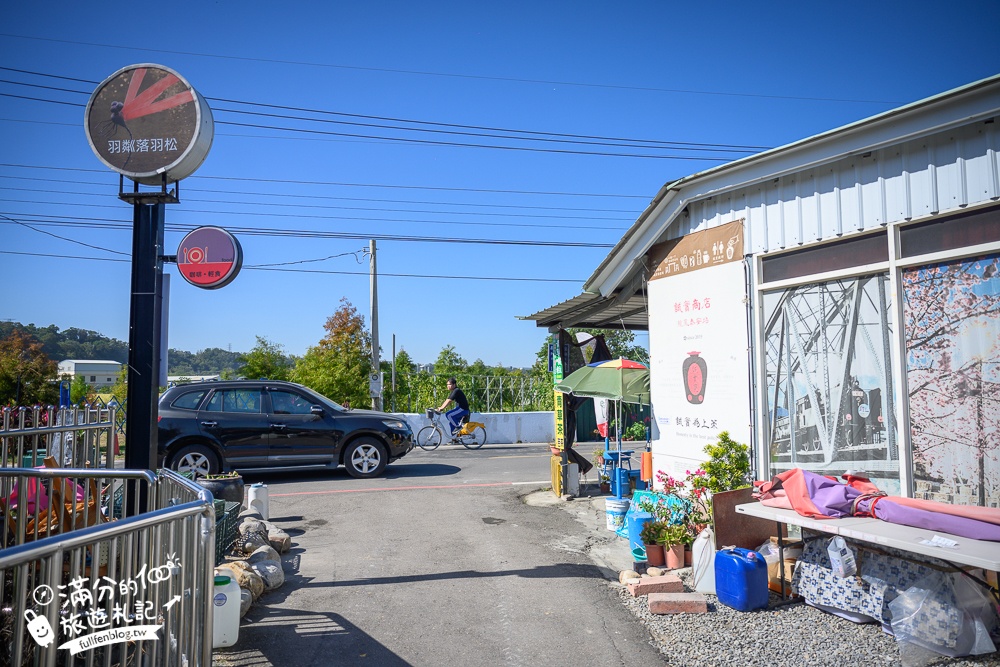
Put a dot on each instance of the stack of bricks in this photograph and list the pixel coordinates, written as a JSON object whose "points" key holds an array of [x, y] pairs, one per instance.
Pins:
{"points": [[666, 595]]}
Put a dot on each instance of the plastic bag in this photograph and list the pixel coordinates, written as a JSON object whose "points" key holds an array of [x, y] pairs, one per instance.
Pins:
{"points": [[841, 558], [942, 614]]}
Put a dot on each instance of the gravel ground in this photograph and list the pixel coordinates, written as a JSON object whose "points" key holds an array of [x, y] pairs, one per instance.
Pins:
{"points": [[793, 635]]}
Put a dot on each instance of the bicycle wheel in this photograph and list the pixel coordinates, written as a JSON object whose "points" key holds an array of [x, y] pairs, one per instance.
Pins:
{"points": [[429, 437], [476, 439]]}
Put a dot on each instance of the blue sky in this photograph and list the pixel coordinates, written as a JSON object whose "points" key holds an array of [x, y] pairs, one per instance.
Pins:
{"points": [[583, 76]]}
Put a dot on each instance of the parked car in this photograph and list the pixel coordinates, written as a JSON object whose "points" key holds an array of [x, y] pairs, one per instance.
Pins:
{"points": [[209, 427]]}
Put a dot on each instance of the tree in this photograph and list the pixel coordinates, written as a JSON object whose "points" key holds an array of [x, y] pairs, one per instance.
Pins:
{"points": [[265, 360], [404, 371], [338, 367], [79, 390], [449, 362], [26, 372]]}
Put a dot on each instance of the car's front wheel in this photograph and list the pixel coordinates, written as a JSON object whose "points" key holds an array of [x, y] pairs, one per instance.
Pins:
{"points": [[365, 457], [197, 459]]}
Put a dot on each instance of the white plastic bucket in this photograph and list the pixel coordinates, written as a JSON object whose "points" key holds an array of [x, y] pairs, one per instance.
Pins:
{"points": [[225, 612], [614, 512], [257, 499], [703, 562]]}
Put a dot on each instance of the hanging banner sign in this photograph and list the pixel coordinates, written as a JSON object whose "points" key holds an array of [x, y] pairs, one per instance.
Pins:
{"points": [[145, 121], [209, 257]]}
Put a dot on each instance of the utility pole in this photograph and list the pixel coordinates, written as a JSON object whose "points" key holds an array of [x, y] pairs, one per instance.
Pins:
{"points": [[376, 399]]}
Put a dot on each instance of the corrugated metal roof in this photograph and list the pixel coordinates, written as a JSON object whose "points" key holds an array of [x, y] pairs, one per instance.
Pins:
{"points": [[593, 311]]}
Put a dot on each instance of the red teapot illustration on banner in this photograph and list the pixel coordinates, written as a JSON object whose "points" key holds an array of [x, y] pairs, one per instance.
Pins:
{"points": [[695, 373]]}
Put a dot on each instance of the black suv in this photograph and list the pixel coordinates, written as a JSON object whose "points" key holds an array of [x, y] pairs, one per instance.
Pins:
{"points": [[212, 426]]}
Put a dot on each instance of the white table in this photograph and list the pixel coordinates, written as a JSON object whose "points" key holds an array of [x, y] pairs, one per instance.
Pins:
{"points": [[972, 553]]}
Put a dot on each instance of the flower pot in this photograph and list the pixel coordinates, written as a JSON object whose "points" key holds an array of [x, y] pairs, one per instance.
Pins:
{"points": [[226, 488], [654, 555], [605, 487], [674, 556], [687, 556]]}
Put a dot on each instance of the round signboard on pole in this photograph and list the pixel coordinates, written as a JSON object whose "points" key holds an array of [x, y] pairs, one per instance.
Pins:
{"points": [[145, 121], [209, 257]]}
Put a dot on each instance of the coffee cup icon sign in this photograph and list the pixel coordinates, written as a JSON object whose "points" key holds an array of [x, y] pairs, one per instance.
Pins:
{"points": [[39, 628], [695, 372]]}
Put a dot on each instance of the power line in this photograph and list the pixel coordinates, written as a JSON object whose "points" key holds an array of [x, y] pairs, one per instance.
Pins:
{"points": [[339, 218], [324, 272], [464, 131], [284, 233], [424, 142], [364, 208], [334, 198], [390, 186], [457, 76]]}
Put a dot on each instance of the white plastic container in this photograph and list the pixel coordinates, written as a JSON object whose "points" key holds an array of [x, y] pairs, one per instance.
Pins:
{"points": [[225, 612], [703, 562], [257, 499]]}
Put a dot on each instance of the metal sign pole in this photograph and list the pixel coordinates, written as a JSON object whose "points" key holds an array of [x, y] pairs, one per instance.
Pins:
{"points": [[144, 335]]}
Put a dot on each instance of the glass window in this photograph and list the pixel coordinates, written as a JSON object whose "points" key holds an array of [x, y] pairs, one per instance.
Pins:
{"points": [[93, 378], [189, 400], [951, 321], [289, 403], [235, 400], [829, 385]]}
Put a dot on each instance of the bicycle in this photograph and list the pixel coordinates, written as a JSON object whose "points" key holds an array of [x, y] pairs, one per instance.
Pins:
{"points": [[472, 435]]}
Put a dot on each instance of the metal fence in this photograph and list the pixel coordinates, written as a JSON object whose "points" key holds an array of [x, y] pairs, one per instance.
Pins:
{"points": [[75, 437], [486, 393], [100, 566]]}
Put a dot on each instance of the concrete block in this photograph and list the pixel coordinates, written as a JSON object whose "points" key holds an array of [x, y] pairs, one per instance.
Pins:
{"points": [[665, 583], [677, 603]]}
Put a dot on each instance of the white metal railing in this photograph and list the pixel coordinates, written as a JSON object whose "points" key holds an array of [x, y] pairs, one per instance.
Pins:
{"points": [[136, 590]]}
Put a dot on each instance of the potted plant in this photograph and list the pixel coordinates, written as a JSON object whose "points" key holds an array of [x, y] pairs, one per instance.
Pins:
{"points": [[224, 486], [650, 536], [605, 484], [673, 538]]}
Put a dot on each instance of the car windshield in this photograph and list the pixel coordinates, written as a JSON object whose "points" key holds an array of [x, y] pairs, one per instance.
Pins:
{"points": [[319, 399]]}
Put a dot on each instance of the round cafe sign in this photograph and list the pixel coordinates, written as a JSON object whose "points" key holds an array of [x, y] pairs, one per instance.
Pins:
{"points": [[209, 257], [145, 121]]}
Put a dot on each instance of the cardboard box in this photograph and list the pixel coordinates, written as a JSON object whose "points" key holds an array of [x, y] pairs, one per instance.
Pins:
{"points": [[774, 583]]}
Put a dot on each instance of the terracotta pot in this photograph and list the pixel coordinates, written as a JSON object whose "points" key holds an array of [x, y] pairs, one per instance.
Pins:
{"points": [[605, 487], [654, 555], [687, 556], [674, 556]]}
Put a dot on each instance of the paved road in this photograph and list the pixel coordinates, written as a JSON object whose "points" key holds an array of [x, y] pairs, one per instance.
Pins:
{"points": [[440, 563]]}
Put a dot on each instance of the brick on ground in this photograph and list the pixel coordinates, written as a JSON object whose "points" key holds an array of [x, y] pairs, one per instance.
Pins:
{"points": [[677, 603], [665, 583]]}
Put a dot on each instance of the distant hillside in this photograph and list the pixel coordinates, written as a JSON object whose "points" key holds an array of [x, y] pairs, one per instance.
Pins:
{"points": [[83, 344]]}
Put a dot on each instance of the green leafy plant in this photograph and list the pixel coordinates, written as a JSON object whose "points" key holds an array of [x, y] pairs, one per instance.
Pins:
{"points": [[651, 531], [674, 533], [728, 466], [636, 431], [598, 457]]}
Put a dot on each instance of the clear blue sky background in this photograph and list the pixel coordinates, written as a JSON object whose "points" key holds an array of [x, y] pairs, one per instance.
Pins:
{"points": [[730, 74]]}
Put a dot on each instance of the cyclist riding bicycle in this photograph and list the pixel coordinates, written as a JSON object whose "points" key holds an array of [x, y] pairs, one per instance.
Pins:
{"points": [[460, 413]]}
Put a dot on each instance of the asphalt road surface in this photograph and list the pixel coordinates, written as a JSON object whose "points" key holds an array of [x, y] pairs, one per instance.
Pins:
{"points": [[440, 562]]}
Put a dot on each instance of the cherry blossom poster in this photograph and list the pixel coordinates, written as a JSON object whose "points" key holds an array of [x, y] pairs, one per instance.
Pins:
{"points": [[952, 327], [698, 343]]}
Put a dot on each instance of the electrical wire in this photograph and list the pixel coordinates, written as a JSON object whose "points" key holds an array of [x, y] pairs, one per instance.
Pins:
{"points": [[266, 267]]}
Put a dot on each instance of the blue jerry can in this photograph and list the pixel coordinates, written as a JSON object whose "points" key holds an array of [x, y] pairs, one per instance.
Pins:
{"points": [[741, 579]]}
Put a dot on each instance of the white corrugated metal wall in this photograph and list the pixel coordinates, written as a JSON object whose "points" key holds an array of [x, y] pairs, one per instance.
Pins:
{"points": [[910, 181]]}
